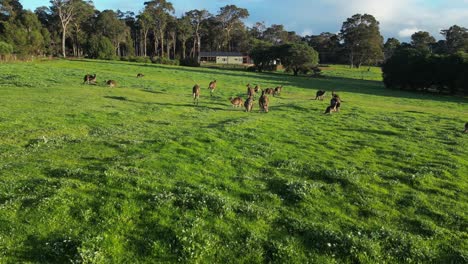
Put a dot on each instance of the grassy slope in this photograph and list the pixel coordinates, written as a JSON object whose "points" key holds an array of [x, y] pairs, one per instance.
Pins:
{"points": [[137, 174]]}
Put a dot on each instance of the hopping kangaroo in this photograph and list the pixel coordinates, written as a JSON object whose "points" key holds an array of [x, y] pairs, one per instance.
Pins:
{"points": [[263, 102], [248, 104], [111, 83], [319, 95], [269, 91], [88, 78], [212, 87], [278, 90], [196, 93], [236, 102]]}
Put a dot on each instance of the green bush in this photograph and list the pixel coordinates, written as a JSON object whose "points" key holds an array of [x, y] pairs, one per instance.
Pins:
{"points": [[101, 48], [5, 48], [164, 60], [190, 62]]}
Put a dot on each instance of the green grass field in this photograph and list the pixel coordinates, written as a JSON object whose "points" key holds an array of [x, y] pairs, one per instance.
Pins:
{"points": [[137, 174]]}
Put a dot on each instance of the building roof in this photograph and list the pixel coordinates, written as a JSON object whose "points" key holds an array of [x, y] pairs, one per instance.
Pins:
{"points": [[220, 53]]}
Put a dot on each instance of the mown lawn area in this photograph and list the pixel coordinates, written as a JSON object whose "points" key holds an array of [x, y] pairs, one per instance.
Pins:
{"points": [[138, 174]]}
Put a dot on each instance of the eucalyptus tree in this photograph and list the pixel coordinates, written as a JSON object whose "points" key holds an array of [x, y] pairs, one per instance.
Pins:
{"points": [[184, 32], [230, 17], [159, 10], [110, 26], [196, 18], [456, 39], [65, 10], [362, 39], [422, 40]]}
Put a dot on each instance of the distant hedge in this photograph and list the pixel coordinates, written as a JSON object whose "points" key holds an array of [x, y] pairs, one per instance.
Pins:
{"points": [[416, 70]]}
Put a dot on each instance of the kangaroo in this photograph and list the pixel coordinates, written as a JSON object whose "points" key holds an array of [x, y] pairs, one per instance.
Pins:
{"points": [[111, 83], [236, 102], [212, 87], [88, 78], [140, 75], [466, 128], [278, 90], [269, 91], [319, 95], [196, 93], [263, 102], [335, 104], [250, 91], [257, 88], [248, 104]]}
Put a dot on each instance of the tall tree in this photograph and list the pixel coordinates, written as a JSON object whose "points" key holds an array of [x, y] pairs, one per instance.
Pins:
{"points": [[84, 12], [297, 56], [422, 40], [65, 10], [160, 9], [196, 19], [230, 16], [327, 45], [276, 34], [362, 39], [144, 23], [110, 26], [185, 31], [456, 38], [390, 46]]}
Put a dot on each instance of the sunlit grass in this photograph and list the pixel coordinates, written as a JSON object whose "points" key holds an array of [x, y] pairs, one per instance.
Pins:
{"points": [[137, 173]]}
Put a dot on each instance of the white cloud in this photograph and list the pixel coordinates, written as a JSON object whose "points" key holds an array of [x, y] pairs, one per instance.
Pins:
{"points": [[407, 32]]}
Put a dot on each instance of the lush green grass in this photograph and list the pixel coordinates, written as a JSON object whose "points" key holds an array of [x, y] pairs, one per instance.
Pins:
{"points": [[137, 174]]}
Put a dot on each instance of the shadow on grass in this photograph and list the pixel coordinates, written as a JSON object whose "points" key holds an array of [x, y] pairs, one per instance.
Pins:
{"points": [[119, 98], [374, 131], [329, 83]]}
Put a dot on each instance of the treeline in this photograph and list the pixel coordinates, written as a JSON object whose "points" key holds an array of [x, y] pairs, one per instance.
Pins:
{"points": [[75, 28], [419, 70]]}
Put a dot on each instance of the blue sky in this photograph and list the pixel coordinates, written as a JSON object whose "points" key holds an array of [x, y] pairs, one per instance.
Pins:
{"points": [[398, 18]]}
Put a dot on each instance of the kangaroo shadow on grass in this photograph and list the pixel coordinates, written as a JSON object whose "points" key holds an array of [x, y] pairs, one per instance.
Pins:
{"points": [[119, 98]]}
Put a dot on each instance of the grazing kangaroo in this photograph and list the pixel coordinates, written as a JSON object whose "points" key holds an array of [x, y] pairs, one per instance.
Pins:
{"points": [[212, 87], [278, 90], [263, 102], [111, 83], [248, 104], [319, 95], [88, 78], [269, 91], [335, 104], [140, 75], [236, 102], [466, 128], [196, 93]]}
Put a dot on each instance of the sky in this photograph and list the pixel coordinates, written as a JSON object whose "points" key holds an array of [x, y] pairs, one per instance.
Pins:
{"points": [[398, 18]]}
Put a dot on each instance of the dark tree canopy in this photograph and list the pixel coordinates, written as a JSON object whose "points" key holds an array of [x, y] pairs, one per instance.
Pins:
{"points": [[362, 39]]}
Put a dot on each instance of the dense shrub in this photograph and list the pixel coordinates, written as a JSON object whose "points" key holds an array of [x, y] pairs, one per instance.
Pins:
{"points": [[190, 62], [101, 48], [416, 70], [164, 60], [5, 48]]}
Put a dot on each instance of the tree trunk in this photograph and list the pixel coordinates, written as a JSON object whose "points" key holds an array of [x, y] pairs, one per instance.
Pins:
{"points": [[64, 32], [183, 49], [198, 47], [161, 34], [145, 43]]}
